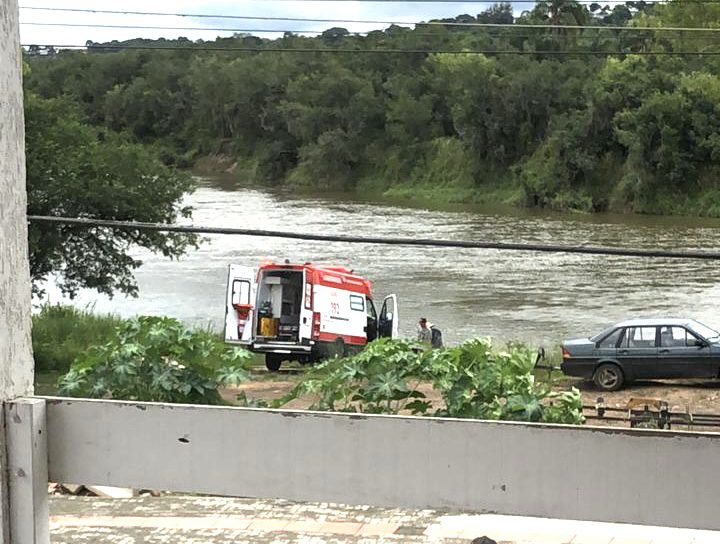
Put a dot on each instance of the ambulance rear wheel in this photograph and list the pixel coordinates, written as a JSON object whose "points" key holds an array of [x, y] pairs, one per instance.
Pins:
{"points": [[273, 361]]}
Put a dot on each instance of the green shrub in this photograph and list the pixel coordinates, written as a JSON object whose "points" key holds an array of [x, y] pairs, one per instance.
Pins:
{"points": [[157, 359], [474, 380], [61, 333], [380, 379]]}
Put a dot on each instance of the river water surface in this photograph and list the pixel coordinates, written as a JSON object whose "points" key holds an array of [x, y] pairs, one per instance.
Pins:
{"points": [[536, 297]]}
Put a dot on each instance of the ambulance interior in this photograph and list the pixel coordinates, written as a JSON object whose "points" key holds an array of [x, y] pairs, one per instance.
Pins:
{"points": [[279, 302]]}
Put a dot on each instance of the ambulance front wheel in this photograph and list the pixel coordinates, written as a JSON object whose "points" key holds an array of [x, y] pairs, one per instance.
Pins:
{"points": [[273, 361]]}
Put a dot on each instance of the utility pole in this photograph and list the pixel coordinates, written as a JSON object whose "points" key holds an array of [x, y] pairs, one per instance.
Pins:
{"points": [[16, 361]]}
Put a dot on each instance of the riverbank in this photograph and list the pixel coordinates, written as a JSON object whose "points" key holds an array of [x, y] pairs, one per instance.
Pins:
{"points": [[506, 192]]}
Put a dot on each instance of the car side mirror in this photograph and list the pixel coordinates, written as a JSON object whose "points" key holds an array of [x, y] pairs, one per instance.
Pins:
{"points": [[699, 343]]}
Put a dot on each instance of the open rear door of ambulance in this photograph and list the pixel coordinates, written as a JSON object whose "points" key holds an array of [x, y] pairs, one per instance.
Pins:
{"points": [[388, 321], [240, 306]]}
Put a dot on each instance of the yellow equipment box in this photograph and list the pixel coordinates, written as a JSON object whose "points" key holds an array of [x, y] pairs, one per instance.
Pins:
{"points": [[269, 326]]}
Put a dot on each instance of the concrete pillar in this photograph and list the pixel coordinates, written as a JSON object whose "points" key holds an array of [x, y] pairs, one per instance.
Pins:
{"points": [[16, 362], [21, 521]]}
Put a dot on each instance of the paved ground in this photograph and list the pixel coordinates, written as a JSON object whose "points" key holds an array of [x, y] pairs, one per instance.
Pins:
{"points": [[212, 520]]}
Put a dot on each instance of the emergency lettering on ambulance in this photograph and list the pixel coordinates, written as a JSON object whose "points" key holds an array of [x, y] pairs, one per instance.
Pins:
{"points": [[304, 312]]}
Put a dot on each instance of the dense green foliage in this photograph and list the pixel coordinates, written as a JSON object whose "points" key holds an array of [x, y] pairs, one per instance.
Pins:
{"points": [[474, 380], [77, 169], [61, 333], [613, 129], [156, 359]]}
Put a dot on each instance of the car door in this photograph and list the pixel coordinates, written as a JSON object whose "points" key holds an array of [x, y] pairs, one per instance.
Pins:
{"points": [[240, 304], [638, 352], [371, 328], [606, 348], [683, 354], [388, 320]]}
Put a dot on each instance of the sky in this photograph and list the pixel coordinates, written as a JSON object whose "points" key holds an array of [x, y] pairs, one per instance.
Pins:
{"points": [[59, 35]]}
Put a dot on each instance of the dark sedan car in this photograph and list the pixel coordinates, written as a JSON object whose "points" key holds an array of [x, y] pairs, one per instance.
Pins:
{"points": [[644, 348]]}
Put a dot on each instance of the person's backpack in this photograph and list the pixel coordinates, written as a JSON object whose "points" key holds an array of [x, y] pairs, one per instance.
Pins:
{"points": [[436, 337]]}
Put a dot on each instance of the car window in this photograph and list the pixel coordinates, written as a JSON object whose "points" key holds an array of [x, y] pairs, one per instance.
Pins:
{"points": [[611, 340], [370, 309], [639, 337], [674, 337], [357, 303], [602, 335]]}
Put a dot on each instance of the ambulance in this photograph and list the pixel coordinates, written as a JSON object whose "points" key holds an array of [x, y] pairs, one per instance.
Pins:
{"points": [[304, 312]]}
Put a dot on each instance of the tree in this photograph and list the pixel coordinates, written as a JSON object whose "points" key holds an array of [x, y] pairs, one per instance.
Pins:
{"points": [[77, 170], [501, 13]]}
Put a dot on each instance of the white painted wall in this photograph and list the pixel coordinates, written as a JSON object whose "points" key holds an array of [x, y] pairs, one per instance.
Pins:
{"points": [[601, 474], [16, 363]]}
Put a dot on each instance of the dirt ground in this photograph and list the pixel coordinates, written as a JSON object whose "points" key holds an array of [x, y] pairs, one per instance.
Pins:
{"points": [[681, 395], [694, 396]]}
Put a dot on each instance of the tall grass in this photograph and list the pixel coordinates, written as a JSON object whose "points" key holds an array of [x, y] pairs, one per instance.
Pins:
{"points": [[61, 333]]}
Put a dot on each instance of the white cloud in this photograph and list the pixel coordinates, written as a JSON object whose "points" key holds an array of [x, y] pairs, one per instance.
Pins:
{"points": [[59, 35]]}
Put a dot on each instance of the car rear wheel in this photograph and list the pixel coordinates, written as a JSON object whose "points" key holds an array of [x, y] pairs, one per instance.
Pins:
{"points": [[608, 377]]}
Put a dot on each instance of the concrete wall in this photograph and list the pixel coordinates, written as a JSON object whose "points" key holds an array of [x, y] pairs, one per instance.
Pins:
{"points": [[16, 363], [18, 499], [647, 477]]}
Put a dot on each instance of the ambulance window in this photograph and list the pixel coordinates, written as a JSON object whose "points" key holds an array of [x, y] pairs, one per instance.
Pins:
{"points": [[357, 303], [370, 307], [241, 292]]}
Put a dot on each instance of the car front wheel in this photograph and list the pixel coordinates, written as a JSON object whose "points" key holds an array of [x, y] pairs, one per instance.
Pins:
{"points": [[608, 377]]}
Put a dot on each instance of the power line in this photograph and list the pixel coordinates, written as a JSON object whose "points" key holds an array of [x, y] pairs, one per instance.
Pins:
{"points": [[507, 32], [223, 16], [492, 32], [193, 48], [202, 28], [425, 242], [406, 23], [303, 31]]}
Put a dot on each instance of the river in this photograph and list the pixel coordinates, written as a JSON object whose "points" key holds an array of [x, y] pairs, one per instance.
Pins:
{"points": [[535, 297]]}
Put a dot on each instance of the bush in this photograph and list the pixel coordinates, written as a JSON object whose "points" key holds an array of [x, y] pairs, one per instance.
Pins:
{"points": [[157, 359], [479, 381], [380, 379], [474, 380], [61, 333]]}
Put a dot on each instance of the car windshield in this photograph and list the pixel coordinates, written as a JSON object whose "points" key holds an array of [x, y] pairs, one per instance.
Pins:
{"points": [[703, 330]]}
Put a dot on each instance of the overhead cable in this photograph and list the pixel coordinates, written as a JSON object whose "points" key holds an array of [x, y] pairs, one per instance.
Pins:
{"points": [[304, 31], [424, 242], [406, 23], [194, 28], [492, 32], [195, 48]]}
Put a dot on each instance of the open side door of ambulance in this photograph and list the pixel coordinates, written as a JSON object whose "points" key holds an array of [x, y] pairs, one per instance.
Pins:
{"points": [[240, 306], [388, 322]]}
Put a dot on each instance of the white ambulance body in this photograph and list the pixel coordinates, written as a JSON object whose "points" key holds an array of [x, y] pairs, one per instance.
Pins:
{"points": [[303, 312]]}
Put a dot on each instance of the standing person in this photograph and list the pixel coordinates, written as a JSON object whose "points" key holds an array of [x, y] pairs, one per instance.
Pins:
{"points": [[424, 334], [436, 340]]}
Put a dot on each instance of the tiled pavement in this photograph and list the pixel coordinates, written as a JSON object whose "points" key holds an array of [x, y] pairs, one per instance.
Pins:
{"points": [[212, 520]]}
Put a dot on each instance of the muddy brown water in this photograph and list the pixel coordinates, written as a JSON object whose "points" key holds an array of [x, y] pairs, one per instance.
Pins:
{"points": [[537, 297]]}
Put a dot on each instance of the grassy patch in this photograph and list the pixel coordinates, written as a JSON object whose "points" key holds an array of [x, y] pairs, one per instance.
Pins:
{"points": [[61, 333], [46, 383]]}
